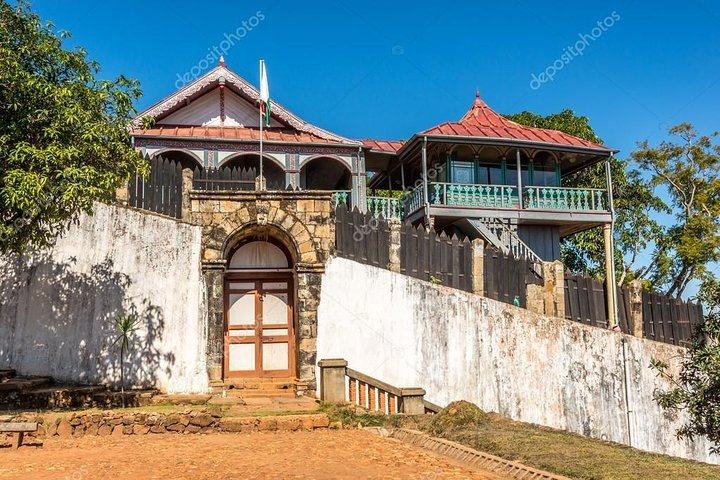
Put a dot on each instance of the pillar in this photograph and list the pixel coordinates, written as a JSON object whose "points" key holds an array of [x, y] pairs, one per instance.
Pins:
{"points": [[609, 276], [394, 245], [478, 266], [332, 380], [636, 308], [122, 194], [187, 184], [213, 273], [412, 401]]}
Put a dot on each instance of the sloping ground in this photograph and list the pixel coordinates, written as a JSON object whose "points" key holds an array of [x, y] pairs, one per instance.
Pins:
{"points": [[565, 453], [543, 448]]}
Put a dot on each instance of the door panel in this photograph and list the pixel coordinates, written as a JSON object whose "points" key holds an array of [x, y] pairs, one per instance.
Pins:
{"points": [[259, 331]]}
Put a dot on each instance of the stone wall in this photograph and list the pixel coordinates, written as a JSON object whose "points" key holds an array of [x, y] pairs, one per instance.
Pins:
{"points": [[301, 221], [526, 366], [58, 306], [209, 420]]}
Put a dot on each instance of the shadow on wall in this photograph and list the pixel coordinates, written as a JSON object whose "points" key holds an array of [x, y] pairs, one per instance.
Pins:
{"points": [[57, 321]]}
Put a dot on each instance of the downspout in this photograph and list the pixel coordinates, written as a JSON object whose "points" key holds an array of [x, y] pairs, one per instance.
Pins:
{"points": [[426, 197], [519, 179], [626, 374]]}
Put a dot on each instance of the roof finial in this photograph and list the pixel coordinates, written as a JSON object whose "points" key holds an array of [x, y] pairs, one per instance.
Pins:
{"points": [[221, 61], [477, 92]]}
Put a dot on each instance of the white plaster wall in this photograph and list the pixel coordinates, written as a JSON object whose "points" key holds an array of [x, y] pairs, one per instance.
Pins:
{"points": [[57, 307], [529, 367]]}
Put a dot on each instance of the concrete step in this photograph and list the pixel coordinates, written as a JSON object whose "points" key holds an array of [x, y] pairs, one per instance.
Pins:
{"points": [[20, 384], [7, 374], [262, 393]]}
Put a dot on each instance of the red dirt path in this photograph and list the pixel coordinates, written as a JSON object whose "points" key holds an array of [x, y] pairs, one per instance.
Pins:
{"points": [[323, 454]]}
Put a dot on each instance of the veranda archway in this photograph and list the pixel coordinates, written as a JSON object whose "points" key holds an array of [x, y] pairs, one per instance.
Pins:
{"points": [[185, 158], [325, 173], [273, 172]]}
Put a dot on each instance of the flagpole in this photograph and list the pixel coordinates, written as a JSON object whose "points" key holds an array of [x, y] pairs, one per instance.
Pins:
{"points": [[262, 120]]}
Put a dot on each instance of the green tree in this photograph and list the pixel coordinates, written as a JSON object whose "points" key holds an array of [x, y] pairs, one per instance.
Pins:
{"points": [[635, 205], [63, 137], [687, 167], [696, 388], [125, 325]]}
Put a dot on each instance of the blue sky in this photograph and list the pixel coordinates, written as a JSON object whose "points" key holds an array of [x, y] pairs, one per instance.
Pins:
{"points": [[379, 69], [389, 69]]}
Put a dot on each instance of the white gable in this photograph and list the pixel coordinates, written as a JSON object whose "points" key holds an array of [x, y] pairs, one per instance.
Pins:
{"points": [[205, 111]]}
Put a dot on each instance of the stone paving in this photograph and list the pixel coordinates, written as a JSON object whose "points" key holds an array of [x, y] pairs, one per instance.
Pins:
{"points": [[326, 454]]}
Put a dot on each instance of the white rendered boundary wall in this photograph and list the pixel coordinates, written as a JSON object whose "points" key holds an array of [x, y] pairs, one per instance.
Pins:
{"points": [[57, 306], [529, 367]]}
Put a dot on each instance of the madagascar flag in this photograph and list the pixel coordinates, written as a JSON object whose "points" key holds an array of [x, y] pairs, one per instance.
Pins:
{"points": [[264, 93]]}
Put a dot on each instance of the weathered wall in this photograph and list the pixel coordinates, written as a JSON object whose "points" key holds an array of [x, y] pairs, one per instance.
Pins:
{"points": [[57, 307], [526, 366]]}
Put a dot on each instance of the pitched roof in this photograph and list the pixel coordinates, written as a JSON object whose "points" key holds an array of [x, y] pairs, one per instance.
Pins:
{"points": [[233, 133], [210, 81], [483, 121], [384, 146]]}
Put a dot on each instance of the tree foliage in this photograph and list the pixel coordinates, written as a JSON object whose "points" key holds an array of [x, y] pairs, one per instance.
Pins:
{"points": [[63, 137], [636, 205], [696, 388], [687, 168]]}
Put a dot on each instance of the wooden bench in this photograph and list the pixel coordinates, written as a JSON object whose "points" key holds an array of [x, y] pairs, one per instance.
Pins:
{"points": [[20, 428]]}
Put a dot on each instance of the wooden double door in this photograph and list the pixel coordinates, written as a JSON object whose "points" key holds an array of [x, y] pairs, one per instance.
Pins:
{"points": [[259, 332]]}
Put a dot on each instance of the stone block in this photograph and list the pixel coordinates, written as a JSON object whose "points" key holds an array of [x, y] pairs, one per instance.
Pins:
{"points": [[140, 429], [64, 429], [320, 421], [267, 424], [118, 430], [202, 420], [104, 430]]}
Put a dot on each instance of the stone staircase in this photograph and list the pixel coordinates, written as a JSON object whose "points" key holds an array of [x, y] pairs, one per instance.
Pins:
{"points": [[257, 387], [43, 393]]}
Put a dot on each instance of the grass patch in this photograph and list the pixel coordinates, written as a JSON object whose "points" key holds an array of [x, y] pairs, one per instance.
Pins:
{"points": [[556, 451], [355, 416]]}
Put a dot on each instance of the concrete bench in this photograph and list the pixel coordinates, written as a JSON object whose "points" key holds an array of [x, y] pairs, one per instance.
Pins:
{"points": [[20, 428]]}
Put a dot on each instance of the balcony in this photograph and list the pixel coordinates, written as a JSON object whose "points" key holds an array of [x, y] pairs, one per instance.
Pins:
{"points": [[574, 209]]}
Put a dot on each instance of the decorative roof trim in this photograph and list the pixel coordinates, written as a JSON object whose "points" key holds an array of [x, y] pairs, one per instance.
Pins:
{"points": [[166, 105]]}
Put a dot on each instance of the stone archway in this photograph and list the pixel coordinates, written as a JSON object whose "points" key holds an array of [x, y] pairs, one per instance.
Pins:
{"points": [[259, 296], [299, 223]]}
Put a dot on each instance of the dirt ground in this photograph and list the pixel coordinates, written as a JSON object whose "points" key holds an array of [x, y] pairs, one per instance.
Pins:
{"points": [[322, 454]]}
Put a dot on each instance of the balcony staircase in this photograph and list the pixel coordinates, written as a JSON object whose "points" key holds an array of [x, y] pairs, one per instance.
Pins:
{"points": [[504, 237]]}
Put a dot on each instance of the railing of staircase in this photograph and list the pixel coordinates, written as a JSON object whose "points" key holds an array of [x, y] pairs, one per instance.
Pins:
{"points": [[469, 195], [514, 243], [414, 200], [386, 207], [564, 198], [340, 384]]}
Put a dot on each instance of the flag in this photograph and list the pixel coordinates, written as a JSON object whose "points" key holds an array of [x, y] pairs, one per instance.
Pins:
{"points": [[264, 93]]}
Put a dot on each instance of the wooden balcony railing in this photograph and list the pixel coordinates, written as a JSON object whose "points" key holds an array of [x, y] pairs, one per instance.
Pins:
{"points": [[505, 196], [341, 197], [564, 198], [386, 207]]}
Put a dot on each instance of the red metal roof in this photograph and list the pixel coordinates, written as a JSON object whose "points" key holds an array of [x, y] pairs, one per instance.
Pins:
{"points": [[483, 121], [388, 146], [233, 133]]}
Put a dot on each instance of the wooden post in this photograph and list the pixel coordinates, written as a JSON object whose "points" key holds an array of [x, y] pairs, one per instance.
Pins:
{"points": [[609, 276], [394, 245], [478, 266], [332, 380]]}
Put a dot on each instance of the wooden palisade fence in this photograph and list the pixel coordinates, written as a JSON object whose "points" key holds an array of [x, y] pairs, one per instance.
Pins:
{"points": [[161, 191], [362, 237], [437, 258], [506, 277]]}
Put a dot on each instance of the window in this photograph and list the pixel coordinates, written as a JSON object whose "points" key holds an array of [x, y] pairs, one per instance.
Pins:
{"points": [[489, 174], [462, 172], [545, 173]]}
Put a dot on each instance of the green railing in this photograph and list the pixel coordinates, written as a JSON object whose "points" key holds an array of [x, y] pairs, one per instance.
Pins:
{"points": [[466, 195], [386, 207], [564, 198], [505, 196], [341, 197]]}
